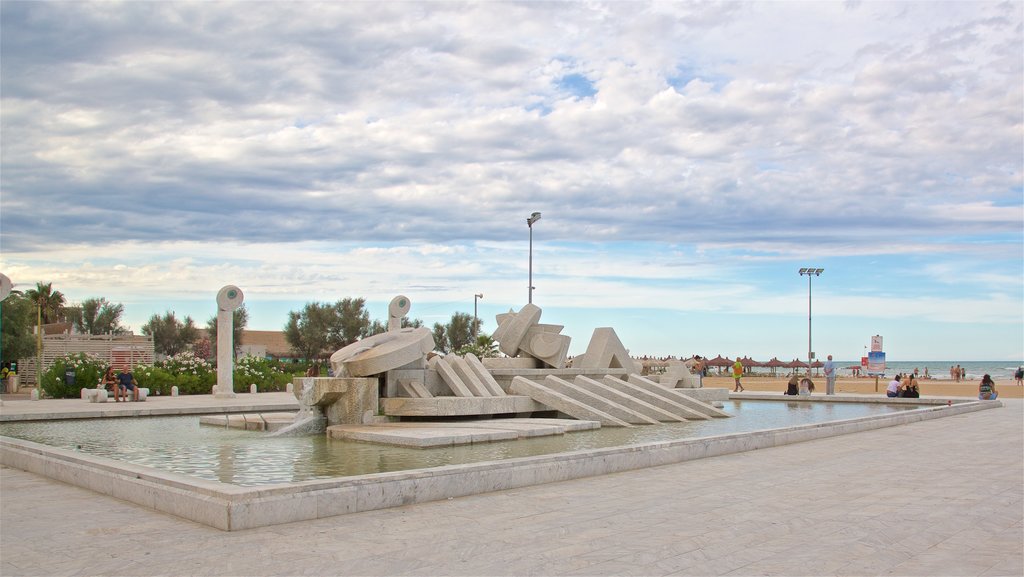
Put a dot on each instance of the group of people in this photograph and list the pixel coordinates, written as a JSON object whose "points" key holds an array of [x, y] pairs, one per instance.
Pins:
{"points": [[957, 373], [798, 386], [121, 383], [904, 387]]}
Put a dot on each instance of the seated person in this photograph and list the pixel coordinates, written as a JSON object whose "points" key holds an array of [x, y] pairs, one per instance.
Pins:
{"points": [[126, 382], [910, 390], [791, 386], [109, 381], [806, 386], [893, 390], [987, 389]]}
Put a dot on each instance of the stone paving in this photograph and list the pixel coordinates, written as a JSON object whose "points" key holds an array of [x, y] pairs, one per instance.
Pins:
{"points": [[937, 497]]}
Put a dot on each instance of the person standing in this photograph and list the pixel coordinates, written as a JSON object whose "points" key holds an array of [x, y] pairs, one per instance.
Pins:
{"points": [[698, 368], [1019, 376], [737, 372], [830, 376]]}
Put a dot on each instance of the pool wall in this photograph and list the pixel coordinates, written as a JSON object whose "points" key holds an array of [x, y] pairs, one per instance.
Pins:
{"points": [[231, 508]]}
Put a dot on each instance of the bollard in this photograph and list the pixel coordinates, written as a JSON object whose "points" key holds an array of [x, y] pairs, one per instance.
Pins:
{"points": [[35, 394], [252, 389], [174, 391], [289, 388]]}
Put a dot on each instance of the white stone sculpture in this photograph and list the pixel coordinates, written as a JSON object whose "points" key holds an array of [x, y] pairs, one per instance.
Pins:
{"points": [[398, 308], [521, 333], [228, 299]]}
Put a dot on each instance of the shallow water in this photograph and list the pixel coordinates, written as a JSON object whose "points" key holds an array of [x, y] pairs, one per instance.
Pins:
{"points": [[249, 458]]}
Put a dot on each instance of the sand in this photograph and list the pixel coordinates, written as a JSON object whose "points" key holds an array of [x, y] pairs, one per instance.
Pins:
{"points": [[866, 385]]}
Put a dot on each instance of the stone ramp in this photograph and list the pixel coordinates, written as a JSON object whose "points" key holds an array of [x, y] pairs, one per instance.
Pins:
{"points": [[614, 398], [677, 396], [268, 422], [560, 402], [602, 403], [626, 400], [425, 435], [656, 398]]}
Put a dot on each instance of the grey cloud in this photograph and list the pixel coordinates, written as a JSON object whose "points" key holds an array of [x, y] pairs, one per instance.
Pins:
{"points": [[351, 121]]}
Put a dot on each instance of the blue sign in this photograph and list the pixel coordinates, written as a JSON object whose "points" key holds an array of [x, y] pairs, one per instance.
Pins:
{"points": [[876, 363]]}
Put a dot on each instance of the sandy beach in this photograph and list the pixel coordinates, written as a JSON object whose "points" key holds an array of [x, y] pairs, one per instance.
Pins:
{"points": [[1007, 389]]}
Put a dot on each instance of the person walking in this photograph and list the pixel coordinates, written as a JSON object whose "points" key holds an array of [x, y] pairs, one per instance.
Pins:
{"points": [[737, 372], [830, 376]]}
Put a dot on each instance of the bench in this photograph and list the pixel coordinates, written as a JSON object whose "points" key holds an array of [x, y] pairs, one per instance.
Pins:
{"points": [[101, 395]]}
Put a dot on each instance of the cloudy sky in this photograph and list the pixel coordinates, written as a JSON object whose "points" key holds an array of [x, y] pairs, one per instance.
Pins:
{"points": [[688, 159]]}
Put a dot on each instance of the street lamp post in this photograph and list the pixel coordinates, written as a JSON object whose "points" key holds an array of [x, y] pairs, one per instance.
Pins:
{"points": [[810, 272], [529, 222], [475, 322]]}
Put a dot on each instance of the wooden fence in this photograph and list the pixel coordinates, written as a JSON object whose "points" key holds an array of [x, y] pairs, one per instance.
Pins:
{"points": [[116, 350]]}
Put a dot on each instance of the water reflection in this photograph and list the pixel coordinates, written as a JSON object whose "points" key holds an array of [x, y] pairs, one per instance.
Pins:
{"points": [[248, 458]]}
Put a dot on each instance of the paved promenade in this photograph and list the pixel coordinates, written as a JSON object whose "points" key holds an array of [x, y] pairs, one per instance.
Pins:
{"points": [[938, 497]]}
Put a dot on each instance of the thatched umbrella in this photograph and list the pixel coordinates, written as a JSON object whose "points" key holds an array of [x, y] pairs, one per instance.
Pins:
{"points": [[748, 364], [719, 362], [774, 364], [817, 364], [796, 364]]}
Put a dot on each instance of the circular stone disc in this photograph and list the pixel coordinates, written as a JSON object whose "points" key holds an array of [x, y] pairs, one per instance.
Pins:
{"points": [[383, 352], [229, 298]]}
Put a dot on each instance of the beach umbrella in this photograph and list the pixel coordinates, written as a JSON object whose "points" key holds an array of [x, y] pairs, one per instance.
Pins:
{"points": [[719, 362], [748, 362], [796, 364], [817, 364], [774, 363]]}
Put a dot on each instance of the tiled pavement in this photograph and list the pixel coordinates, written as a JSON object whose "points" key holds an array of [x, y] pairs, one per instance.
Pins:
{"points": [[937, 497]]}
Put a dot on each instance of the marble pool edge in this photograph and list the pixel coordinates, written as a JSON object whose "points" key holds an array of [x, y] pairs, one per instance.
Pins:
{"points": [[231, 508]]}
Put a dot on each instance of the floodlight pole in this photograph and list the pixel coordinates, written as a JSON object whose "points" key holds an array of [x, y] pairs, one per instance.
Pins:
{"points": [[476, 322], [529, 222], [809, 272]]}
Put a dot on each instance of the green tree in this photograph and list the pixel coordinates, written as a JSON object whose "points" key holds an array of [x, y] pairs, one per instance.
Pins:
{"points": [[483, 347], [50, 301], [354, 322], [96, 316], [18, 314], [458, 333], [309, 331], [441, 338], [240, 318], [170, 336], [377, 327]]}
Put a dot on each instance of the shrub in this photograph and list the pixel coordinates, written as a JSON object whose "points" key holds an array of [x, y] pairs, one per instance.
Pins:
{"points": [[88, 370], [191, 374], [261, 372]]}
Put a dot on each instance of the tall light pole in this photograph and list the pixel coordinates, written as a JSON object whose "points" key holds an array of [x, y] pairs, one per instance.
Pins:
{"points": [[529, 222], [475, 322], [810, 272]]}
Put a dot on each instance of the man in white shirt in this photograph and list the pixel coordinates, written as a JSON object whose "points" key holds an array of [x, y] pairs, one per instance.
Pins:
{"points": [[893, 390], [830, 376]]}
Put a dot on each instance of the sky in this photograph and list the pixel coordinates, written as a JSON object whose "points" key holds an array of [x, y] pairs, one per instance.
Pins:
{"points": [[687, 159]]}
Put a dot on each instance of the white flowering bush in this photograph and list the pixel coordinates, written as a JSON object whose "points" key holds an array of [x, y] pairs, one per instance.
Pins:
{"points": [[87, 368], [264, 373], [191, 374]]}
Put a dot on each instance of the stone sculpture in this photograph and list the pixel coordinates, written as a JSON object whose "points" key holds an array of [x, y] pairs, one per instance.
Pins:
{"points": [[228, 299]]}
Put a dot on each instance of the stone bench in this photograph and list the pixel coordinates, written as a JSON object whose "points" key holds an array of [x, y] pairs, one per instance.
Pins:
{"points": [[101, 395]]}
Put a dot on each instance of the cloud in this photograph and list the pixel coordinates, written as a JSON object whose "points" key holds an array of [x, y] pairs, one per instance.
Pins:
{"points": [[314, 144]]}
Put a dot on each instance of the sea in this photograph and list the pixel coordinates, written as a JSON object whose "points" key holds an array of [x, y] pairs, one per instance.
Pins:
{"points": [[999, 370]]}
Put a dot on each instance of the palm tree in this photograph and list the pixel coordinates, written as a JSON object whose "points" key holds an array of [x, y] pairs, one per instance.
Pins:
{"points": [[49, 301]]}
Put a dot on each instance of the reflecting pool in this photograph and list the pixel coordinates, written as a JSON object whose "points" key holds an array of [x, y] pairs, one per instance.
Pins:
{"points": [[248, 458]]}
